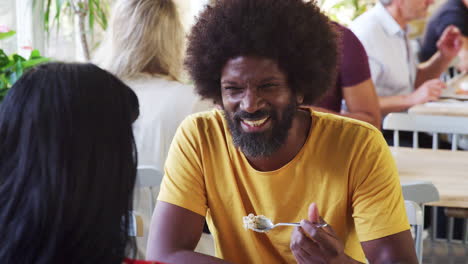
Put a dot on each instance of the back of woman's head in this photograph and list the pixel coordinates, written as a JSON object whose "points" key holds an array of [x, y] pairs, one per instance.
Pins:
{"points": [[144, 36], [67, 166]]}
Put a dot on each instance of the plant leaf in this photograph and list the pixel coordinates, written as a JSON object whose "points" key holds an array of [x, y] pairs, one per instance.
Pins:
{"points": [[4, 60], [58, 12], [31, 63], [7, 66], [91, 14], [47, 16], [17, 58], [35, 54], [4, 35]]}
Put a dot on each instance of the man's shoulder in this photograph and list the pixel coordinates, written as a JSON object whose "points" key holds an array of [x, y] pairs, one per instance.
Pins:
{"points": [[365, 22], [204, 119], [343, 125], [451, 16], [368, 30]]}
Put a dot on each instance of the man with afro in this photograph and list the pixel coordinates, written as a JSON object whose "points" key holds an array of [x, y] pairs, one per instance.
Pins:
{"points": [[264, 153]]}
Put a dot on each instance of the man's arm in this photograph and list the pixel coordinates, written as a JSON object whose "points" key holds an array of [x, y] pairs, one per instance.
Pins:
{"points": [[397, 248], [448, 46], [362, 103], [428, 91], [311, 243], [174, 234], [361, 100]]}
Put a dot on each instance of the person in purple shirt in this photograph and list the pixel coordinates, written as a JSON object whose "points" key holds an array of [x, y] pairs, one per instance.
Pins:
{"points": [[353, 84]]}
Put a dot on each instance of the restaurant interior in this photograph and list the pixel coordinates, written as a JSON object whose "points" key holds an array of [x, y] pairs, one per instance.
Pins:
{"points": [[426, 130]]}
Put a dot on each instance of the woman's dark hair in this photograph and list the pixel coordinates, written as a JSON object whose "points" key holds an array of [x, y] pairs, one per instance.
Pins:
{"points": [[67, 166], [293, 33]]}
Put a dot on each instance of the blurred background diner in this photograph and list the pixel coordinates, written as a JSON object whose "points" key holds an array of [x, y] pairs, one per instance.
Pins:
{"points": [[408, 57], [144, 46]]}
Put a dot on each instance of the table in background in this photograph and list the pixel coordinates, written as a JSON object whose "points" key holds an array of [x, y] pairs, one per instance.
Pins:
{"points": [[447, 170], [441, 109]]}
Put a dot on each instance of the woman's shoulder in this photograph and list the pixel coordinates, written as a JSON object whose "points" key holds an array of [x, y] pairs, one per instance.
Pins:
{"points": [[147, 80]]}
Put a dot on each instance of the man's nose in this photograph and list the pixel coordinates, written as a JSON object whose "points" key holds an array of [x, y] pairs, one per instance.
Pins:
{"points": [[252, 101]]}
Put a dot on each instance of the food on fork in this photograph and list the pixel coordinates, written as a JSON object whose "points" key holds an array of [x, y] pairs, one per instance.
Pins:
{"points": [[256, 222]]}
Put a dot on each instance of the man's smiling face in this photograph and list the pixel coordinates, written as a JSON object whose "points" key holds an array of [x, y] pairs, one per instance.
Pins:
{"points": [[258, 103]]}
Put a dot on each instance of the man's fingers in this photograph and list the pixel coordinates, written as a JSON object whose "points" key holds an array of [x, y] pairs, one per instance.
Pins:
{"points": [[313, 213], [303, 248], [307, 244], [324, 237]]}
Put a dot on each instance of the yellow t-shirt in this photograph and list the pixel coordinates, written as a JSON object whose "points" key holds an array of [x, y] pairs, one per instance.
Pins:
{"points": [[345, 167]]}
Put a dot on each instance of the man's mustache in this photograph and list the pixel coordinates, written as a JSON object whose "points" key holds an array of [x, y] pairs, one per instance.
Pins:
{"points": [[256, 115]]}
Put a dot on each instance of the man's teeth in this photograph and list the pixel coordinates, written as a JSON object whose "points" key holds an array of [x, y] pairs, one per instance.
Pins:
{"points": [[255, 123]]}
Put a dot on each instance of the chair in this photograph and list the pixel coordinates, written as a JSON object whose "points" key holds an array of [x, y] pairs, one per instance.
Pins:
{"points": [[454, 125], [149, 177], [416, 220], [136, 225]]}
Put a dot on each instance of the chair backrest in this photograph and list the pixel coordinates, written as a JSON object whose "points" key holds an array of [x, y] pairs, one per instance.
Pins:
{"points": [[420, 192], [148, 176], [454, 125]]}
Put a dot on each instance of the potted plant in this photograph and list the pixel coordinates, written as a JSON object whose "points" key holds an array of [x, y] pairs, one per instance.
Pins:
{"points": [[90, 11], [13, 66]]}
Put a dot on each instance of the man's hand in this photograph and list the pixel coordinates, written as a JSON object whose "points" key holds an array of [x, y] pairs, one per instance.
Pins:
{"points": [[428, 91], [311, 243], [450, 42]]}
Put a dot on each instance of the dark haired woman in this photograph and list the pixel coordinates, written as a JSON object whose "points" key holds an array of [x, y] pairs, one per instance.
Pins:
{"points": [[67, 166]]}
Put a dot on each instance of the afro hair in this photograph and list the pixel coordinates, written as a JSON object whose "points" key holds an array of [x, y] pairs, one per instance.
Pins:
{"points": [[295, 34]]}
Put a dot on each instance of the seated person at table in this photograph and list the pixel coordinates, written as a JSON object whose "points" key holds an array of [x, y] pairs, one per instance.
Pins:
{"points": [[399, 81], [353, 83], [144, 48], [264, 153], [453, 12], [68, 166]]}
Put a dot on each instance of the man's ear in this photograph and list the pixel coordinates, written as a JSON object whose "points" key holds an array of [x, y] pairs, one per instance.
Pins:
{"points": [[398, 4], [299, 98]]}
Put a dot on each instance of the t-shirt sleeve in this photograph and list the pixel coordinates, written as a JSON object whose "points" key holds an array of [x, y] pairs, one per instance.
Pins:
{"points": [[377, 200], [452, 18], [183, 183], [354, 66]]}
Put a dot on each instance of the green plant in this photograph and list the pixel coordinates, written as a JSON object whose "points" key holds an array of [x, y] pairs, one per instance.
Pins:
{"points": [[94, 11], [13, 66], [344, 11], [4, 35]]}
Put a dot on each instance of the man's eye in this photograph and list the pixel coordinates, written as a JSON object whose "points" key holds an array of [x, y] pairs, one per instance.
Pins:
{"points": [[232, 88], [268, 85]]}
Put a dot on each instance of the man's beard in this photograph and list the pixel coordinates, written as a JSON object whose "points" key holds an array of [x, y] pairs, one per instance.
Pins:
{"points": [[261, 144]]}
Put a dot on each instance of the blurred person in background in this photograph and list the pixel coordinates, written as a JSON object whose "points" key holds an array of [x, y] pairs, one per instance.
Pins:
{"points": [[452, 12], [399, 80], [145, 48], [67, 166], [353, 83]]}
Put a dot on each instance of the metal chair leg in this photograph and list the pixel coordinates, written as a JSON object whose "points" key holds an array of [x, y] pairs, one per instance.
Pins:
{"points": [[465, 231], [418, 242], [434, 223], [450, 225]]}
